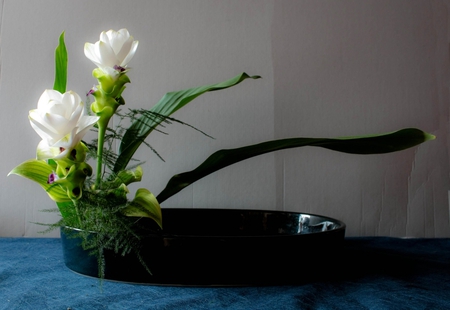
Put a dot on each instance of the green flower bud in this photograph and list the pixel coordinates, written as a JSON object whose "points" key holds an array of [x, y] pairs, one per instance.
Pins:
{"points": [[125, 177], [108, 94], [111, 84], [72, 177], [119, 192], [78, 153]]}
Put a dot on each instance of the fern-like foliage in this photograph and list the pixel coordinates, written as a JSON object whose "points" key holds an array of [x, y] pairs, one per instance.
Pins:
{"points": [[97, 216], [115, 136], [104, 228]]}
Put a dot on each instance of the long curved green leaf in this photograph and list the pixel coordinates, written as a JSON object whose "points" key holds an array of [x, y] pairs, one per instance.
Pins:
{"points": [[375, 144], [60, 66], [169, 103], [38, 171]]}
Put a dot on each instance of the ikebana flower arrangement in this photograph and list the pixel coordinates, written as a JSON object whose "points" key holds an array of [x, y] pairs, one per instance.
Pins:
{"points": [[96, 199]]}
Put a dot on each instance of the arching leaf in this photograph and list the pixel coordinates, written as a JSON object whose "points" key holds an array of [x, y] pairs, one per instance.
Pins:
{"points": [[374, 144], [170, 103]]}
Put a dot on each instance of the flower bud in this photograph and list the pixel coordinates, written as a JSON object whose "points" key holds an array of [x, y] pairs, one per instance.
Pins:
{"points": [[72, 177]]}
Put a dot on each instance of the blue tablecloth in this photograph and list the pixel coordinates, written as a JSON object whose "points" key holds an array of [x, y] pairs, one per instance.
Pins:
{"points": [[373, 273]]}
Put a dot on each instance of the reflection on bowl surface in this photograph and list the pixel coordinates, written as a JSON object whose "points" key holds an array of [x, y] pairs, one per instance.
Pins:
{"points": [[236, 222]]}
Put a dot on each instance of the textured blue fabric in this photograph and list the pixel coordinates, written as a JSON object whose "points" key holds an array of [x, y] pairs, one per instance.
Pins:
{"points": [[372, 273]]}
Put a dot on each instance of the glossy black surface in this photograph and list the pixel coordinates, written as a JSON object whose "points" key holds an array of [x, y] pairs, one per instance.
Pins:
{"points": [[223, 247]]}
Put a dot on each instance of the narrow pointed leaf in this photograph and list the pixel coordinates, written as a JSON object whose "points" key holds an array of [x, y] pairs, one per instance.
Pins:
{"points": [[170, 103], [375, 144], [38, 171], [60, 66]]}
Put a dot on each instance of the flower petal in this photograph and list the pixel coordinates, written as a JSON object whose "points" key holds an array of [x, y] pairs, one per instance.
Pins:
{"points": [[107, 56], [117, 39], [47, 96], [131, 53], [87, 122], [40, 126], [90, 53], [44, 151]]}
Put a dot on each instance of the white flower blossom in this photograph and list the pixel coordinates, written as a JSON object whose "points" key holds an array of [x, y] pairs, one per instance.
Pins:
{"points": [[60, 121], [113, 51]]}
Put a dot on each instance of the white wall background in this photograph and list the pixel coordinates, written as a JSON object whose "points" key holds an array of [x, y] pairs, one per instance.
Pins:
{"points": [[330, 68]]}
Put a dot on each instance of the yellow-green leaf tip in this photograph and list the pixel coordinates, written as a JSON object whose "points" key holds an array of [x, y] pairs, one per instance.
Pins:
{"points": [[429, 136]]}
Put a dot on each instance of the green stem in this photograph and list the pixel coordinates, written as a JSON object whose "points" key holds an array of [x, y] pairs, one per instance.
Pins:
{"points": [[102, 125], [77, 211]]}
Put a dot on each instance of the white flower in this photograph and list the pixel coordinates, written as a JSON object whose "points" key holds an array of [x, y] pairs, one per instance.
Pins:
{"points": [[60, 121], [114, 50]]}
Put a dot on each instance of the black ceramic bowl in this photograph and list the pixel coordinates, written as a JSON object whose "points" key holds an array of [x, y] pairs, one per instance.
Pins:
{"points": [[222, 247]]}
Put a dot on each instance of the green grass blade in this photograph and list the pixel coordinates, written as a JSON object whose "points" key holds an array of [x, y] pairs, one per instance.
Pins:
{"points": [[169, 103], [375, 144], [61, 58]]}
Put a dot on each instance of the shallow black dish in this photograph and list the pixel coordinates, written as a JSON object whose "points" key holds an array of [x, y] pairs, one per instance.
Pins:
{"points": [[223, 247]]}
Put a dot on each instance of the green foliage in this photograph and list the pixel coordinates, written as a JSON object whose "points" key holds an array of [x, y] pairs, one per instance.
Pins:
{"points": [[144, 205], [169, 103], [61, 66], [374, 144], [115, 135], [101, 226], [39, 171]]}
